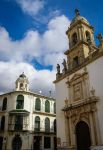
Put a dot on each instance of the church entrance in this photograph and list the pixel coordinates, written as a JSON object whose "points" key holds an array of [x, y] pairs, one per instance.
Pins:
{"points": [[1, 142], [83, 136]]}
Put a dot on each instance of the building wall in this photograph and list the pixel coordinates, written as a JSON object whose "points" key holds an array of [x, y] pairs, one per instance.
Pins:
{"points": [[95, 70], [61, 95], [29, 105], [95, 73]]}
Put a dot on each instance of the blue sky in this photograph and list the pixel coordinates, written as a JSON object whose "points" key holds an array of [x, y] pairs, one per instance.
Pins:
{"points": [[32, 38], [17, 22]]}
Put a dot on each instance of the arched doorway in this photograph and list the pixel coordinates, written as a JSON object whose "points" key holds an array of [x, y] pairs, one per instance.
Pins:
{"points": [[36, 143], [83, 136], [16, 143], [1, 142]]}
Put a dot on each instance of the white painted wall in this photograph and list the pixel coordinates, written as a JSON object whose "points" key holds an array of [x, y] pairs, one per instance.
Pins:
{"points": [[61, 95], [95, 70], [29, 105]]}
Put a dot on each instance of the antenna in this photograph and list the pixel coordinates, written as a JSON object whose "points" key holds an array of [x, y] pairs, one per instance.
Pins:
{"points": [[50, 93]]}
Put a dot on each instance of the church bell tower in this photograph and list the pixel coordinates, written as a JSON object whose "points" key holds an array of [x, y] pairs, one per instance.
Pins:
{"points": [[81, 41], [22, 83]]}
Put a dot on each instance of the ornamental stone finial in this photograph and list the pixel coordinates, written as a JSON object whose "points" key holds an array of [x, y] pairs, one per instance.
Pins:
{"points": [[77, 12], [100, 38]]}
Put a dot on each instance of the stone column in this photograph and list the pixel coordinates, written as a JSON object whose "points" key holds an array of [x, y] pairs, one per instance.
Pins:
{"points": [[42, 142], [52, 142], [82, 33], [72, 142], [92, 130], [97, 128], [68, 139], [79, 34]]}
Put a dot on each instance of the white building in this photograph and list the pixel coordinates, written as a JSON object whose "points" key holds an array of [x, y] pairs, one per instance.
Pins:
{"points": [[79, 90], [27, 120]]}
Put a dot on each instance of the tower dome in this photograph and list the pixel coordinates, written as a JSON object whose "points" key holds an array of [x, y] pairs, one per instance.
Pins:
{"points": [[78, 17], [22, 75], [22, 83]]}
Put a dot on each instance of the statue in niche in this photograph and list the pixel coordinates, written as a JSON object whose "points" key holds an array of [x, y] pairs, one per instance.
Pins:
{"points": [[58, 69], [64, 66]]}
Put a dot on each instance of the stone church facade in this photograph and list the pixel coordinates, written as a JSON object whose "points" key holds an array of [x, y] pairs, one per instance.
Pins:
{"points": [[27, 120], [79, 90]]}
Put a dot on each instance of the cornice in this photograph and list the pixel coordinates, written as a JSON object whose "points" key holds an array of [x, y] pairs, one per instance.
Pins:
{"points": [[44, 113], [27, 93], [87, 61]]}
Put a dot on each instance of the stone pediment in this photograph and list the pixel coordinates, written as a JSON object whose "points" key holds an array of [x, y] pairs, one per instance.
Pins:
{"points": [[75, 77]]}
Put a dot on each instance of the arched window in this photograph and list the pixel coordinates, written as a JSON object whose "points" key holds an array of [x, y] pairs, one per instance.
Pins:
{"points": [[88, 38], [37, 123], [4, 107], [75, 61], [55, 108], [74, 38], [47, 124], [3, 123], [38, 104], [21, 85], [47, 106], [20, 102], [55, 125]]}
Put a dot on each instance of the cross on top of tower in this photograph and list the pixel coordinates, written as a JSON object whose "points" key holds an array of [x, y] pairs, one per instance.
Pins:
{"points": [[77, 12]]}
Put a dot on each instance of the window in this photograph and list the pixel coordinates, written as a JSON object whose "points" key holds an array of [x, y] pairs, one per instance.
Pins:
{"points": [[37, 123], [75, 61], [20, 102], [4, 107], [47, 142], [47, 106], [47, 125], [18, 122], [74, 38], [3, 123], [88, 38], [55, 108], [38, 104], [55, 125]]}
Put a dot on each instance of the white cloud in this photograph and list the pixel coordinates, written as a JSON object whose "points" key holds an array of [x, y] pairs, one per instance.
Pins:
{"points": [[20, 50], [31, 7], [48, 48], [54, 41], [10, 71]]}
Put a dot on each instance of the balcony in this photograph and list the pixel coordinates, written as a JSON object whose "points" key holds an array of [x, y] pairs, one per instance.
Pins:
{"points": [[18, 127], [18, 121], [42, 130]]}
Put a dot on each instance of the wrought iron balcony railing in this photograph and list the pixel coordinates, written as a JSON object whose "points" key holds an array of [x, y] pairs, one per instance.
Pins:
{"points": [[43, 130], [17, 127]]}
